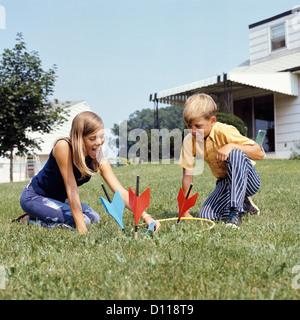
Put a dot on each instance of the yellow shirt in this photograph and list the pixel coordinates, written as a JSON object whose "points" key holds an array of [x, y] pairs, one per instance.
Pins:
{"points": [[220, 135]]}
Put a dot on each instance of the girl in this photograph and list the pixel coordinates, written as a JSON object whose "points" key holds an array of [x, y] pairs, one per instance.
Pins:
{"points": [[52, 196]]}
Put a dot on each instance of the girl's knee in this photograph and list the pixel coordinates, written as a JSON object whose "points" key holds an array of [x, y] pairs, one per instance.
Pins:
{"points": [[25, 200], [96, 217], [87, 220], [92, 215]]}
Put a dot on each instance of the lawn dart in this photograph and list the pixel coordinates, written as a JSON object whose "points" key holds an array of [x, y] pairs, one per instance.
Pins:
{"points": [[114, 208], [185, 203], [138, 204]]}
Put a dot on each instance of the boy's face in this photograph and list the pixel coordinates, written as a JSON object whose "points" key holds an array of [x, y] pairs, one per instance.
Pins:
{"points": [[203, 126]]}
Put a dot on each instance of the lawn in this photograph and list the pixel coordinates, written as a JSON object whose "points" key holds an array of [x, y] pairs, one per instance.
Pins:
{"points": [[178, 263]]}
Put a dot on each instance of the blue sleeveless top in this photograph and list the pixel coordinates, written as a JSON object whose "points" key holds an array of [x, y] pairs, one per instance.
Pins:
{"points": [[49, 181]]}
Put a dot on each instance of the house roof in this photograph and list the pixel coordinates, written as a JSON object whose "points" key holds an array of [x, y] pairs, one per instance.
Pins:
{"points": [[281, 82], [287, 13], [288, 62], [74, 107], [276, 75]]}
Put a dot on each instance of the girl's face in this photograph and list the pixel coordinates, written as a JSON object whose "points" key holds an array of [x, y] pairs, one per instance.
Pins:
{"points": [[93, 143]]}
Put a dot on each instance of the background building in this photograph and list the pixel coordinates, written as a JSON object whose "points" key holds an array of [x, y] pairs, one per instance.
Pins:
{"points": [[24, 168], [264, 90]]}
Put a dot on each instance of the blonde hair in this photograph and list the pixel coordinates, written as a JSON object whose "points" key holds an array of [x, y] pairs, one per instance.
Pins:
{"points": [[84, 124], [197, 106]]}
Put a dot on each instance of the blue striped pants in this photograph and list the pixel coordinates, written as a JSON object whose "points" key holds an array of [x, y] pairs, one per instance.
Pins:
{"points": [[242, 179]]}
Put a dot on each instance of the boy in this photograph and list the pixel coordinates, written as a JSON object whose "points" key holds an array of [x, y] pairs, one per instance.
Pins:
{"points": [[228, 154]]}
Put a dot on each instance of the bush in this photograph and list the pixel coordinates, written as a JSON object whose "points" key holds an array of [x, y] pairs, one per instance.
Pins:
{"points": [[232, 120], [295, 155]]}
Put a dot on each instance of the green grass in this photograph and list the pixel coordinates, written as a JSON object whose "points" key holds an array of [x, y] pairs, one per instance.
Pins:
{"points": [[179, 262]]}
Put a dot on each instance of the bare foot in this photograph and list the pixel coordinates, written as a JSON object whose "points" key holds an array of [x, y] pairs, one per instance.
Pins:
{"points": [[27, 216], [23, 217]]}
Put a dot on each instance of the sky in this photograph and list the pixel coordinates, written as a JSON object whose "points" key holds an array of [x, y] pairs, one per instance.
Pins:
{"points": [[115, 53]]}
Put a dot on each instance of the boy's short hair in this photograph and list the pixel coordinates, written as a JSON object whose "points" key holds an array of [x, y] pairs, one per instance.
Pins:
{"points": [[197, 106]]}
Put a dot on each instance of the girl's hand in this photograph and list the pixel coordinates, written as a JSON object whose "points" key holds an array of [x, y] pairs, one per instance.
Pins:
{"points": [[114, 184], [82, 229], [148, 219], [63, 157]]}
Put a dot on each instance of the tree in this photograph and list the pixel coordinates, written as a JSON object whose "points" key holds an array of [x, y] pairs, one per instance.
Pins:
{"points": [[25, 107], [169, 118]]}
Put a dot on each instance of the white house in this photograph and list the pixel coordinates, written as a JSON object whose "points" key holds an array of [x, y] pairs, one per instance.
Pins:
{"points": [[264, 91], [25, 167], [74, 108]]}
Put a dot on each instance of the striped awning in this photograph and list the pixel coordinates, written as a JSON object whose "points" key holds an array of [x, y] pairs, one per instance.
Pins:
{"points": [[280, 82]]}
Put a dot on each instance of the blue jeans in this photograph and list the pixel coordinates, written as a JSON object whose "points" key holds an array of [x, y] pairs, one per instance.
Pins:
{"points": [[51, 213]]}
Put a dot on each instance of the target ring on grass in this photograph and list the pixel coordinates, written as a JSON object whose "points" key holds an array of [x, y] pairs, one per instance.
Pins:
{"points": [[212, 224]]}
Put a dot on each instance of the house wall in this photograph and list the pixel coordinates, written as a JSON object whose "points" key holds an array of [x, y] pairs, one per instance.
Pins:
{"points": [[20, 167], [260, 43], [19, 170], [287, 123], [61, 131], [286, 117]]}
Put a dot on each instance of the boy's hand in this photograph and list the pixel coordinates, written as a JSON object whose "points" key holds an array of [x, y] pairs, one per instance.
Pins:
{"points": [[223, 153]]}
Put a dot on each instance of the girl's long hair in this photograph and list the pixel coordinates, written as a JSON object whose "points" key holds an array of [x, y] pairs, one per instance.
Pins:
{"points": [[84, 124]]}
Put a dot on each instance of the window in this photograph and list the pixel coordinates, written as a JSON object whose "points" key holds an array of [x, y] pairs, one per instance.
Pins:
{"points": [[264, 120], [278, 37], [258, 114]]}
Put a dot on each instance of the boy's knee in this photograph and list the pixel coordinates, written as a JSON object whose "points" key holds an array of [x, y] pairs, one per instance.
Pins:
{"points": [[236, 153], [237, 158]]}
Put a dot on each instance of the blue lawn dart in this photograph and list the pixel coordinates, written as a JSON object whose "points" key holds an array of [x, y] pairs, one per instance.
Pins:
{"points": [[114, 208], [151, 227]]}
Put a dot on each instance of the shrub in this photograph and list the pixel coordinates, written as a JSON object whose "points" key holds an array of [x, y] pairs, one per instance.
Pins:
{"points": [[295, 155], [233, 120]]}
